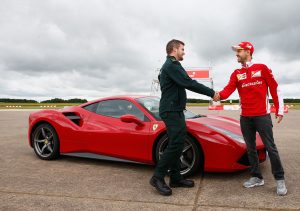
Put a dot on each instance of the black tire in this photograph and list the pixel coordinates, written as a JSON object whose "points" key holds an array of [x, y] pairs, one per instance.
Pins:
{"points": [[192, 155], [45, 142]]}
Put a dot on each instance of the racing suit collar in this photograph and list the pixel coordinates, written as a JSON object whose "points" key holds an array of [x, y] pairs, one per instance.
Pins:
{"points": [[247, 64]]}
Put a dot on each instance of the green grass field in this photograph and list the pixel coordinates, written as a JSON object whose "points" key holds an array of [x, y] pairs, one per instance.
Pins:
{"points": [[294, 106], [35, 105]]}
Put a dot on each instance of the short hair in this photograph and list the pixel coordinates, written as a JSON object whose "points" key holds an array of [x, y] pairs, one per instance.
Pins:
{"points": [[173, 44]]}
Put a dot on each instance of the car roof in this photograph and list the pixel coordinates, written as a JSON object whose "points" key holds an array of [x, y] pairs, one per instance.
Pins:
{"points": [[123, 97]]}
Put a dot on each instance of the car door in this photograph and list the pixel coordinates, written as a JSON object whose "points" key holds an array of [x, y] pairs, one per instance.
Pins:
{"points": [[111, 136]]}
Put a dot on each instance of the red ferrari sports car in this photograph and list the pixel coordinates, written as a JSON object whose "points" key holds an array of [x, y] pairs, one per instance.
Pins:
{"points": [[129, 127]]}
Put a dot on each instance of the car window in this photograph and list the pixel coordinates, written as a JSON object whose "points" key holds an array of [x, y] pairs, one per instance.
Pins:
{"points": [[152, 105], [91, 107], [118, 108]]}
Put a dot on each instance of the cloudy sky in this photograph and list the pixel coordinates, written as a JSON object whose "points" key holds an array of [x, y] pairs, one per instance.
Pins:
{"points": [[90, 49]]}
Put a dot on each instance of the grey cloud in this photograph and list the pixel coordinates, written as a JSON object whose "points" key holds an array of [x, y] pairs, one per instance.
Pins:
{"points": [[93, 48]]}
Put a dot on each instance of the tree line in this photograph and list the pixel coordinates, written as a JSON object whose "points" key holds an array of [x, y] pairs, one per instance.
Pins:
{"points": [[54, 100], [77, 100]]}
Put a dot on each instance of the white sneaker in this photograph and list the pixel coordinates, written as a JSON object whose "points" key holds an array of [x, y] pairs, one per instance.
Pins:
{"points": [[281, 188], [254, 181]]}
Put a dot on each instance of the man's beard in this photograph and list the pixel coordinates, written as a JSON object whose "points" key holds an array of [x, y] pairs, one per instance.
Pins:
{"points": [[240, 60]]}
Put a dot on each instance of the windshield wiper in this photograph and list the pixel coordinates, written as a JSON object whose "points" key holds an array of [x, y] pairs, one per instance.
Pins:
{"points": [[197, 116]]}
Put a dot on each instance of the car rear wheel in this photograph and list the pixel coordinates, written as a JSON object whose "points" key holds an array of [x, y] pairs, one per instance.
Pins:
{"points": [[45, 142], [191, 159]]}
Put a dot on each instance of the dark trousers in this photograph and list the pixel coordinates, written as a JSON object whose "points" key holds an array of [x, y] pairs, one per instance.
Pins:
{"points": [[263, 125], [170, 159]]}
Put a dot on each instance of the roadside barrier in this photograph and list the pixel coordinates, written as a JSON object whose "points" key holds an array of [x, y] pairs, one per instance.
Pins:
{"points": [[237, 107]]}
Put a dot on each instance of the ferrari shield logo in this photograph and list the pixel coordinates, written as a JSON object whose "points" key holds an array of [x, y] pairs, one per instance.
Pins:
{"points": [[154, 127]]}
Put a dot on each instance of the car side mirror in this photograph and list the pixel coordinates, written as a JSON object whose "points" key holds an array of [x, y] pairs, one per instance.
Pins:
{"points": [[128, 118]]}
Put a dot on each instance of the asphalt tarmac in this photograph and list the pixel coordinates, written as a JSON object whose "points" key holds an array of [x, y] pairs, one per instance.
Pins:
{"points": [[72, 183]]}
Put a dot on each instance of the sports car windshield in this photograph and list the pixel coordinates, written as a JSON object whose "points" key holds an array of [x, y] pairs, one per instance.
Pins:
{"points": [[152, 105]]}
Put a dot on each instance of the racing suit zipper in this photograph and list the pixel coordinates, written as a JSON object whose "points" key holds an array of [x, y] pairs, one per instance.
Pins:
{"points": [[248, 73]]}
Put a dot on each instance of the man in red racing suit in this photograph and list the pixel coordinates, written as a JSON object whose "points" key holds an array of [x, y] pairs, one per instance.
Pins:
{"points": [[253, 82]]}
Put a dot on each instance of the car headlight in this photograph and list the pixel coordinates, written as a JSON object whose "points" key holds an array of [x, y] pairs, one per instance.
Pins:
{"points": [[228, 133]]}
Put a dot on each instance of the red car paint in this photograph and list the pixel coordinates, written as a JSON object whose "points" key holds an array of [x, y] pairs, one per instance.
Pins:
{"points": [[113, 137]]}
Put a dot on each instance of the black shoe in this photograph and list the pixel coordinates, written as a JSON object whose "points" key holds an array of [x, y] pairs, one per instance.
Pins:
{"points": [[185, 183], [161, 186]]}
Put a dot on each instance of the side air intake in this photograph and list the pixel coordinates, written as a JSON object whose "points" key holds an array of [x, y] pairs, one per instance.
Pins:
{"points": [[73, 117]]}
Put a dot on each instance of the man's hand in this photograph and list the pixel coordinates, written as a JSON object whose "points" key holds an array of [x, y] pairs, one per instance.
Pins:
{"points": [[279, 118], [216, 96]]}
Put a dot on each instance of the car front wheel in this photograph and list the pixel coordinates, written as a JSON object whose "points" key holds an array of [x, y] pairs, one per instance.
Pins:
{"points": [[191, 159], [45, 142]]}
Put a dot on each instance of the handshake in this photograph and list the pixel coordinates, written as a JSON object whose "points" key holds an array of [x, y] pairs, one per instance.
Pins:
{"points": [[216, 96]]}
